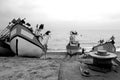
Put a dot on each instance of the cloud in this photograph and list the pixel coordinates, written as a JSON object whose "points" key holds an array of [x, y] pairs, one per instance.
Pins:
{"points": [[80, 12], [30, 9], [115, 16]]}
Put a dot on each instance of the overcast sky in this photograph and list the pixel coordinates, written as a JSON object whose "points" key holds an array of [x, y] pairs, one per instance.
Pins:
{"points": [[82, 14]]}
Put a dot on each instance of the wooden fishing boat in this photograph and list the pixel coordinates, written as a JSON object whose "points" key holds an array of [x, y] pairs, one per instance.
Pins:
{"points": [[73, 49], [108, 46], [73, 46], [23, 42]]}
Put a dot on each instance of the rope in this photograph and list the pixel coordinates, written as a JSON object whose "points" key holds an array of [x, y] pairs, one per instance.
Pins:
{"points": [[4, 33]]}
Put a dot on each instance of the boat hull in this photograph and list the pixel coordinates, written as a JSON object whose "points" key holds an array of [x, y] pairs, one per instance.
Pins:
{"points": [[24, 43], [5, 50], [108, 46], [72, 49], [25, 48]]}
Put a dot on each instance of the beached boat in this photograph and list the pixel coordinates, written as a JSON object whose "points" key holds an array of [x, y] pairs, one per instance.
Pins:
{"points": [[108, 46], [23, 42], [4, 43], [73, 46]]}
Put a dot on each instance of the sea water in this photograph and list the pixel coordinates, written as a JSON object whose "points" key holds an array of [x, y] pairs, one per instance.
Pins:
{"points": [[87, 38]]}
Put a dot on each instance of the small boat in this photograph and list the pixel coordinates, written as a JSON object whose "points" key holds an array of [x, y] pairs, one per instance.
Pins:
{"points": [[23, 42], [108, 46], [73, 46]]}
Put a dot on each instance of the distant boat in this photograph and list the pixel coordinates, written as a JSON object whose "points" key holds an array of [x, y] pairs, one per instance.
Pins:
{"points": [[73, 49], [73, 46], [24, 43], [108, 46]]}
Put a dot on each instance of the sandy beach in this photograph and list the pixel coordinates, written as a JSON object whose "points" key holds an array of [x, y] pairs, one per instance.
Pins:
{"points": [[21, 68]]}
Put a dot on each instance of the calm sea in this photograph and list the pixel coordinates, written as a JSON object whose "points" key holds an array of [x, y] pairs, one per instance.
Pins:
{"points": [[87, 38]]}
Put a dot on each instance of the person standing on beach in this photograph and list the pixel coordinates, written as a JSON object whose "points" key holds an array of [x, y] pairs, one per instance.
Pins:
{"points": [[46, 37], [43, 38]]}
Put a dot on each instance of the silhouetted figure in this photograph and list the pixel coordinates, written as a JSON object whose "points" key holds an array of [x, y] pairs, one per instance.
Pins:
{"points": [[41, 26], [23, 21], [46, 37], [14, 21], [101, 41], [28, 24], [38, 33], [38, 30], [29, 27], [83, 51], [112, 40], [48, 32]]}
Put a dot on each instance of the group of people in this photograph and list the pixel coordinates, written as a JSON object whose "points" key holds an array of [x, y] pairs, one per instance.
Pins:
{"points": [[43, 38], [38, 31]]}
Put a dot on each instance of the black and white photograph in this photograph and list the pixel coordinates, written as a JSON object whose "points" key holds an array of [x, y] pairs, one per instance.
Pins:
{"points": [[59, 39]]}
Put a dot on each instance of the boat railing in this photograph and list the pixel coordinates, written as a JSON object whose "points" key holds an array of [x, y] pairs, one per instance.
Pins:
{"points": [[5, 33]]}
